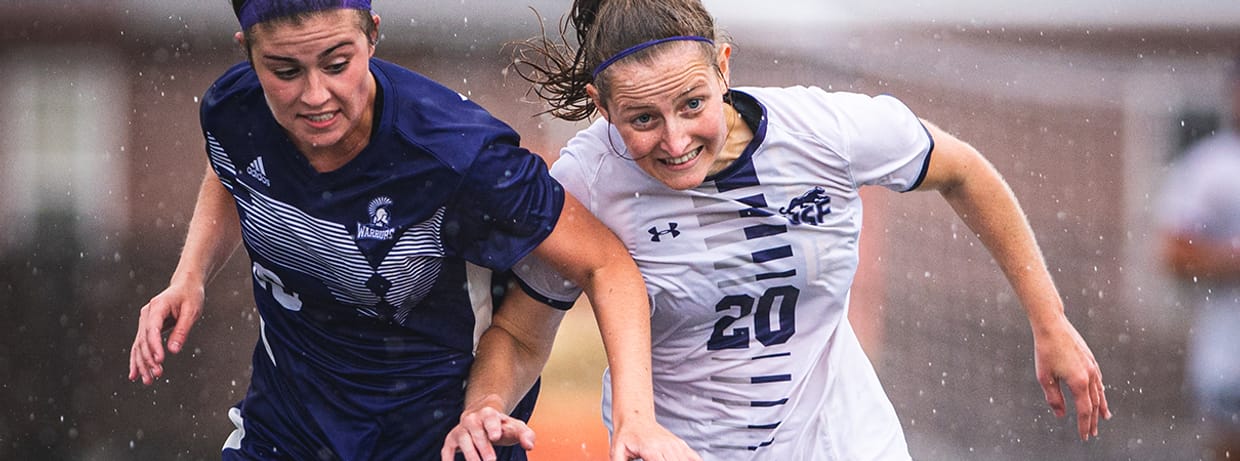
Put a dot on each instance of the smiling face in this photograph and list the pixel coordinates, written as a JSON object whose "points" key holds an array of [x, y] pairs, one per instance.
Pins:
{"points": [[316, 78], [670, 112]]}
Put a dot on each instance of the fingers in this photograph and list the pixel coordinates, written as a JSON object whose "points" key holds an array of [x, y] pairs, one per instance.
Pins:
{"points": [[526, 437], [461, 441], [1095, 404], [1102, 391], [480, 430], [180, 303], [448, 450], [458, 441], [135, 370], [1100, 409], [479, 443], [138, 363], [1083, 392], [651, 445], [180, 333], [1054, 396], [619, 452], [146, 354], [492, 425]]}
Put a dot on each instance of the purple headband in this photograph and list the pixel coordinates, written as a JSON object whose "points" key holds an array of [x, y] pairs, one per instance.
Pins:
{"points": [[641, 46], [255, 11]]}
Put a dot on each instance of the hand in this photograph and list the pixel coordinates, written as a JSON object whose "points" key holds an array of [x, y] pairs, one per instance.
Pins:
{"points": [[1063, 356], [146, 357], [649, 442], [482, 426]]}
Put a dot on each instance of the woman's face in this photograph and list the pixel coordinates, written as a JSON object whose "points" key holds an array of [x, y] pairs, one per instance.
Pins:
{"points": [[670, 113], [316, 78]]}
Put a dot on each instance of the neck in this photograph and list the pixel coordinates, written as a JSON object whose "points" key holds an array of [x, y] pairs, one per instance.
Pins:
{"points": [[739, 136], [330, 158]]}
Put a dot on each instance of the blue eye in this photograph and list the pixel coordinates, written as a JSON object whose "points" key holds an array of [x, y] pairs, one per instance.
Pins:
{"points": [[694, 103]]}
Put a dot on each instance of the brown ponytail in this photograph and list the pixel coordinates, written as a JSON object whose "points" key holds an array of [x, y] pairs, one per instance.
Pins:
{"points": [[604, 28]]}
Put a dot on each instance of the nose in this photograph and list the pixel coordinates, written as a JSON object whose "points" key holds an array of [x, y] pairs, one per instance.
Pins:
{"points": [[315, 93], [676, 137]]}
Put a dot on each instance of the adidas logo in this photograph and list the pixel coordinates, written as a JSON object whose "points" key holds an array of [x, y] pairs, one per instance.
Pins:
{"points": [[257, 170]]}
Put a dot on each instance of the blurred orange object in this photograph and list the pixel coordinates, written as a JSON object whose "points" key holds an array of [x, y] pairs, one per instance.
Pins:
{"points": [[568, 418], [568, 427]]}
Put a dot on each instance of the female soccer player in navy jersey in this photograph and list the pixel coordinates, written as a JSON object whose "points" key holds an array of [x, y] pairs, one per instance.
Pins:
{"points": [[741, 208], [374, 204]]}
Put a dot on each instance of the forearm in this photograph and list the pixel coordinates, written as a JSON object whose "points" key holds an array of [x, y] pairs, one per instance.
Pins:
{"points": [[625, 329], [214, 234], [989, 208], [504, 370], [607, 274], [1194, 257]]}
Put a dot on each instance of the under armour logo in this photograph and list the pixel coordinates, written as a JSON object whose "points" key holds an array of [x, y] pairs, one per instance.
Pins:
{"points": [[655, 233]]}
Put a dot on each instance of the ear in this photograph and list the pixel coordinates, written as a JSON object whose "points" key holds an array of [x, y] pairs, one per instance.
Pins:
{"points": [[374, 36], [592, 92], [724, 55], [239, 37]]}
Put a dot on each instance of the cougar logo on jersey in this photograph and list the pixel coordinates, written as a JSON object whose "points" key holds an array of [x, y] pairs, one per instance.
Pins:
{"points": [[656, 234], [809, 208], [380, 226]]}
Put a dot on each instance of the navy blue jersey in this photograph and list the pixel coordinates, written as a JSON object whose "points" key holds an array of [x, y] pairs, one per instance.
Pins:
{"points": [[372, 280]]}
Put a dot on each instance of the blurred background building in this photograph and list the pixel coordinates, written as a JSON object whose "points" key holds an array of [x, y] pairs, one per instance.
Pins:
{"points": [[1079, 104]]}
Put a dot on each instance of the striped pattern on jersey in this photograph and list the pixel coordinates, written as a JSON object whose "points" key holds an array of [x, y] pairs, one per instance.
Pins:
{"points": [[327, 251]]}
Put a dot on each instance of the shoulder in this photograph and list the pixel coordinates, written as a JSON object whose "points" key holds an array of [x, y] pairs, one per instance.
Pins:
{"points": [[587, 151], [233, 94], [437, 119], [593, 142], [831, 119], [836, 116], [811, 103]]}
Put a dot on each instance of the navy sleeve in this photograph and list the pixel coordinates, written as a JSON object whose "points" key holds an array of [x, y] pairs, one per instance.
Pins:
{"points": [[503, 202], [506, 205]]}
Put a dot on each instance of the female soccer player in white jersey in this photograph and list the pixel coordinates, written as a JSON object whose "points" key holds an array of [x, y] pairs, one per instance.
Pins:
{"points": [[741, 208], [374, 204]]}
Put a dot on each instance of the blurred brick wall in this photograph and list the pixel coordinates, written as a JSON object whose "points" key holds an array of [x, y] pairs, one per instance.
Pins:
{"points": [[949, 340]]}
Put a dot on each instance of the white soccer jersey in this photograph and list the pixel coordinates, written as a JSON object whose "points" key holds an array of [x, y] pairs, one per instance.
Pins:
{"points": [[749, 274]]}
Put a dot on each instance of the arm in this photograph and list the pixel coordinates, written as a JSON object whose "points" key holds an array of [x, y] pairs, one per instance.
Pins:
{"points": [[583, 250], [606, 272], [214, 234], [1188, 256], [981, 198], [511, 354]]}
